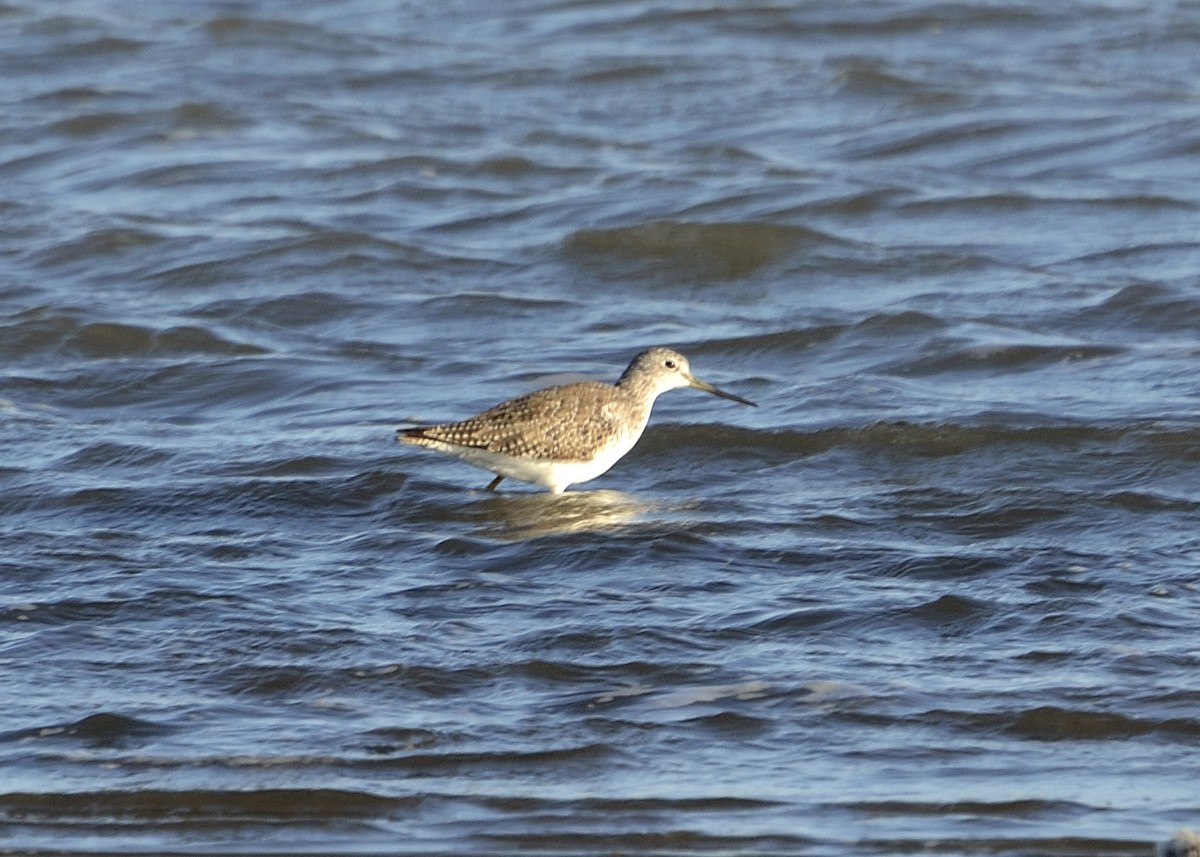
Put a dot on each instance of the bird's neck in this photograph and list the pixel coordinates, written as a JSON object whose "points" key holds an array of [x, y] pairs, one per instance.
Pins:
{"points": [[638, 386]]}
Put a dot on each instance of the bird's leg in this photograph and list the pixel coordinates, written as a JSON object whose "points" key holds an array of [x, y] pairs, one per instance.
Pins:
{"points": [[492, 485]]}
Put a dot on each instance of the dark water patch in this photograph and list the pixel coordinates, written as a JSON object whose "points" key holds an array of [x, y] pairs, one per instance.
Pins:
{"points": [[490, 305], [199, 173], [842, 23], [97, 244], [323, 247], [582, 839], [940, 566], [293, 676], [296, 250], [440, 186], [733, 725], [967, 135], [1053, 723], [165, 603], [263, 806], [70, 610], [623, 72], [566, 807], [78, 95], [1008, 203], [1002, 518], [871, 78], [289, 39], [290, 467], [578, 757], [952, 357], [180, 495], [265, 681], [557, 672], [290, 312], [180, 392], [104, 47], [96, 124], [197, 274], [933, 439], [779, 343], [432, 681], [1144, 501], [939, 263], [1148, 307], [105, 454], [908, 323], [952, 615], [856, 204], [206, 117], [104, 729], [41, 332], [1152, 264], [170, 125], [708, 251], [101, 340], [1009, 846], [1026, 808]]}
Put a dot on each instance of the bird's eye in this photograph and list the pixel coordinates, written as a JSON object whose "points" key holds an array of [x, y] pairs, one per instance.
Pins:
{"points": [[670, 364]]}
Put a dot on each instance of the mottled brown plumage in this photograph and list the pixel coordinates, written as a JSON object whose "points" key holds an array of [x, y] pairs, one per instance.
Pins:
{"points": [[564, 423], [565, 434]]}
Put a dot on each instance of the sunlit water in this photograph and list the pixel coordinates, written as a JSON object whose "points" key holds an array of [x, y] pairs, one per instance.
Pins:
{"points": [[937, 594]]}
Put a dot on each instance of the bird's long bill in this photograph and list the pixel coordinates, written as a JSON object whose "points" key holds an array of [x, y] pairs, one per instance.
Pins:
{"points": [[709, 388]]}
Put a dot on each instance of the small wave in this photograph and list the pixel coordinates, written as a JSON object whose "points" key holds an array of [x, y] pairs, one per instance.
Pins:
{"points": [[905, 323], [1148, 306], [783, 342], [714, 251], [103, 729], [1000, 357], [113, 455], [1019, 808], [1052, 723], [194, 117], [976, 132], [95, 124], [490, 305], [951, 614], [601, 841], [284, 33], [861, 76], [934, 439], [1057, 723], [113, 339], [64, 331], [199, 804], [476, 762], [619, 71], [96, 245], [1001, 203]]}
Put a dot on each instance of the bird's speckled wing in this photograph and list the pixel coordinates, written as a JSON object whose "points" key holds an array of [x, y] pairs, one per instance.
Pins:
{"points": [[565, 423]]}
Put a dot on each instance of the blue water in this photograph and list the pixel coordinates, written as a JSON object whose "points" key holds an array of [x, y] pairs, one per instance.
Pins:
{"points": [[936, 594]]}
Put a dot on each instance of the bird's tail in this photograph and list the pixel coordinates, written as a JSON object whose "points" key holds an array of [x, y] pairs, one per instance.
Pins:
{"points": [[415, 434]]}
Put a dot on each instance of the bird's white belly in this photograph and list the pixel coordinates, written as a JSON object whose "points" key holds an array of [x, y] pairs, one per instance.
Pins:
{"points": [[553, 474]]}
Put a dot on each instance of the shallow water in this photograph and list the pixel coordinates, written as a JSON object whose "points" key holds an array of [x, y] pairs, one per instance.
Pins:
{"points": [[937, 594]]}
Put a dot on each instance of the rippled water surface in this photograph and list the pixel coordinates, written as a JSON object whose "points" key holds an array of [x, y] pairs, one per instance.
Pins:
{"points": [[937, 594]]}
